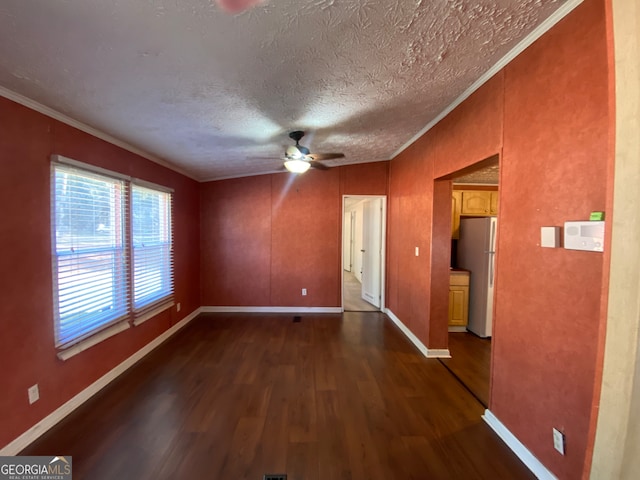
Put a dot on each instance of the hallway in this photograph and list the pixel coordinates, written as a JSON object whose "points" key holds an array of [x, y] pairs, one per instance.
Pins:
{"points": [[352, 291]]}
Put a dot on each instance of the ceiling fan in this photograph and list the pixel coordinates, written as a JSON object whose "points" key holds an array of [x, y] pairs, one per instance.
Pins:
{"points": [[298, 159]]}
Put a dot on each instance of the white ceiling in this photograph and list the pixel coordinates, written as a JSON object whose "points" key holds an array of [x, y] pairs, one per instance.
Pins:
{"points": [[207, 91], [487, 173]]}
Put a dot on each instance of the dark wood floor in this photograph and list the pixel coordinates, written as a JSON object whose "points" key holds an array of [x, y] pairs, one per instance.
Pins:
{"points": [[470, 361], [237, 396]]}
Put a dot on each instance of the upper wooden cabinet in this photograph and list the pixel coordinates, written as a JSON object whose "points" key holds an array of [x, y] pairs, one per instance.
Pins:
{"points": [[456, 201], [494, 203], [476, 202], [473, 203]]}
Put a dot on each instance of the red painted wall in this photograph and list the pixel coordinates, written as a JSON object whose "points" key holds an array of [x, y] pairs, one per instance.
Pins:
{"points": [[548, 306], [548, 113], [236, 241], [27, 139], [414, 293], [265, 238]]}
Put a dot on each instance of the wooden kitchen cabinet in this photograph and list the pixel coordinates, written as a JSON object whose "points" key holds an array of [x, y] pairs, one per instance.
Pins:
{"points": [[472, 203], [456, 201], [476, 202], [458, 298], [494, 203]]}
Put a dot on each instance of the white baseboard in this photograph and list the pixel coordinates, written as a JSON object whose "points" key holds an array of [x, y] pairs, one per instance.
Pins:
{"points": [[231, 309], [536, 467], [20, 443], [429, 353]]}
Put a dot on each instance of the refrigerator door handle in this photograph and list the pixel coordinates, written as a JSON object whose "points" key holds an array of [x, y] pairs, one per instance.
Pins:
{"points": [[492, 252], [491, 260], [492, 239]]}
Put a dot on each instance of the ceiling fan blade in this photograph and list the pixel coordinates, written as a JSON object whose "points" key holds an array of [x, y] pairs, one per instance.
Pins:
{"points": [[325, 156], [318, 165]]}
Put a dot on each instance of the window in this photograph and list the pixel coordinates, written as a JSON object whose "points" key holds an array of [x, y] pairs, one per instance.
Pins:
{"points": [[103, 223], [152, 262]]}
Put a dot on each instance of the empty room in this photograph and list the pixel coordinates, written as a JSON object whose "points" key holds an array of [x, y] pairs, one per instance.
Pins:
{"points": [[236, 239]]}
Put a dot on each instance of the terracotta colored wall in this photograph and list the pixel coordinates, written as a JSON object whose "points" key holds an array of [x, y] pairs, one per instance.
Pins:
{"points": [[412, 290], [364, 179], [265, 238], [548, 304], [27, 139], [548, 114], [408, 276], [236, 241]]}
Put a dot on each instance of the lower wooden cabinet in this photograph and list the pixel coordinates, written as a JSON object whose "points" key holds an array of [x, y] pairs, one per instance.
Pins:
{"points": [[458, 298]]}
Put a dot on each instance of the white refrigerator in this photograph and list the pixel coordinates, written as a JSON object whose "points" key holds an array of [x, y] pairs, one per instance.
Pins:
{"points": [[476, 253]]}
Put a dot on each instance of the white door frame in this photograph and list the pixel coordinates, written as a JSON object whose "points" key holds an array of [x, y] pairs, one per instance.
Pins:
{"points": [[347, 243], [383, 247]]}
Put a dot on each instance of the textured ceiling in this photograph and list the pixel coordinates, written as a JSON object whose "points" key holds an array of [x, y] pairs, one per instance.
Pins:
{"points": [[209, 92], [489, 175]]}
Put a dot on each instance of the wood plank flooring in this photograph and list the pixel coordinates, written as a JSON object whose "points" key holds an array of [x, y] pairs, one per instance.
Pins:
{"points": [[236, 396], [470, 361], [352, 295]]}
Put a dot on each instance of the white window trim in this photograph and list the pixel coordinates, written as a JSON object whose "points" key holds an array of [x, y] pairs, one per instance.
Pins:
{"points": [[91, 168], [89, 342], [65, 353], [150, 185], [153, 312]]}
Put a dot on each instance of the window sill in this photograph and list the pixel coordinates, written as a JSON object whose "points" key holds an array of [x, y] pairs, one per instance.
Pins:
{"points": [[73, 350], [152, 313]]}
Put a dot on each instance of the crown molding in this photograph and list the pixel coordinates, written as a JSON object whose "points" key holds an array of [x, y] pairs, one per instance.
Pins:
{"points": [[61, 117], [535, 34]]}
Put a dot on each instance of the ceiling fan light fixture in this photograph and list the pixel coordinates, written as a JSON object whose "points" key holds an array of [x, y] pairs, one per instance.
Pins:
{"points": [[297, 165], [294, 153]]}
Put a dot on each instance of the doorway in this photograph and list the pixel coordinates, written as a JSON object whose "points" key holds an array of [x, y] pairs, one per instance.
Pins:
{"points": [[475, 209], [363, 247]]}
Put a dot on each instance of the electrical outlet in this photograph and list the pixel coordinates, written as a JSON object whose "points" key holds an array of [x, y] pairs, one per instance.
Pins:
{"points": [[304, 292], [34, 394], [558, 441], [177, 307], [417, 251]]}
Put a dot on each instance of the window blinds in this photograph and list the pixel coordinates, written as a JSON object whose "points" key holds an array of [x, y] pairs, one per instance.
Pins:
{"points": [[89, 261], [152, 248], [113, 249]]}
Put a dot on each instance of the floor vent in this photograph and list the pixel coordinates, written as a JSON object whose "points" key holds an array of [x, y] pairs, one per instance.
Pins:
{"points": [[280, 476], [296, 319]]}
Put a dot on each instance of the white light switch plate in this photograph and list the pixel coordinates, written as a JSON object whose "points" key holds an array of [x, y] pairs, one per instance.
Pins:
{"points": [[34, 394], [550, 237], [558, 441]]}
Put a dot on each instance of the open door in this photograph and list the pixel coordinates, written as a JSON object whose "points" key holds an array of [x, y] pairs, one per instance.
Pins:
{"points": [[372, 251], [363, 248], [347, 241]]}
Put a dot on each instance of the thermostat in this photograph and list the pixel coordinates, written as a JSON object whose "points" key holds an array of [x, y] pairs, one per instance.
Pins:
{"points": [[587, 236]]}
